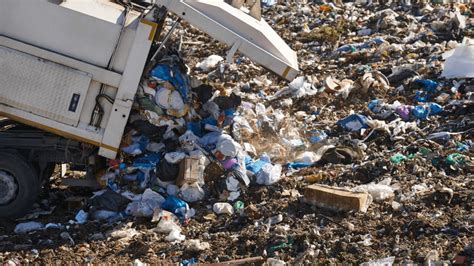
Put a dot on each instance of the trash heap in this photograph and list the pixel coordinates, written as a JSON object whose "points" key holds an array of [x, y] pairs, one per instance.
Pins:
{"points": [[366, 157], [183, 144]]}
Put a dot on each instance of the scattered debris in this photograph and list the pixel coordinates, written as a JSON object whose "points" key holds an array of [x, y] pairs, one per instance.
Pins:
{"points": [[215, 156]]}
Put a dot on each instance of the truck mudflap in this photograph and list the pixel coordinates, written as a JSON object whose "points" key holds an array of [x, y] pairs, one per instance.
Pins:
{"points": [[241, 31]]}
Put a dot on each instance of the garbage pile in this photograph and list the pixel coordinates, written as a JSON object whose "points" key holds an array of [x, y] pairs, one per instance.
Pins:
{"points": [[183, 144], [366, 157]]}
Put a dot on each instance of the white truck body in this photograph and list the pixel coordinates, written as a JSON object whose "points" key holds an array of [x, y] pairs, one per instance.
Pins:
{"points": [[55, 57], [53, 60]]}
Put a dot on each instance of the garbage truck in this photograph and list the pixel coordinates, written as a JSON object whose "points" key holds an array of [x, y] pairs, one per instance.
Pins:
{"points": [[69, 72]]}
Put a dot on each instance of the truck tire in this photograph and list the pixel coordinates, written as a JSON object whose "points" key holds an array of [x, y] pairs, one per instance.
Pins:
{"points": [[19, 185]]}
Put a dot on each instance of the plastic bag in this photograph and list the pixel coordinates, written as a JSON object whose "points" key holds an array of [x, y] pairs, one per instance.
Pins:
{"points": [[167, 226], [81, 217], [195, 245], [144, 208], [307, 157], [176, 206], [354, 122], [388, 261], [172, 190], [255, 166], [270, 174], [188, 140], [27, 227], [175, 236], [166, 171], [227, 146], [379, 192], [223, 208], [209, 63], [109, 200], [172, 74], [192, 193], [104, 214]]}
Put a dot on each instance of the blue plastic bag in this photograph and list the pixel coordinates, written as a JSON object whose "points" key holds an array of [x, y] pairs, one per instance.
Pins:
{"points": [[174, 76], [146, 161], [138, 144], [196, 128], [423, 111], [317, 136], [420, 96], [354, 122], [420, 112], [428, 84], [435, 108], [374, 104], [255, 166], [190, 261], [177, 206]]}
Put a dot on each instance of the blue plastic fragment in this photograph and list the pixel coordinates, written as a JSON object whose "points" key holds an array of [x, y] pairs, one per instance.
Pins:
{"points": [[360, 46], [428, 84], [298, 165], [317, 136], [187, 262]]}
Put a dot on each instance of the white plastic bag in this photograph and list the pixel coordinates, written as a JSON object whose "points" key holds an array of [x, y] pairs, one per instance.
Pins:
{"points": [[195, 245], [167, 226], [223, 208], [307, 157], [270, 174], [175, 236], [379, 192], [209, 63], [144, 208], [191, 193]]}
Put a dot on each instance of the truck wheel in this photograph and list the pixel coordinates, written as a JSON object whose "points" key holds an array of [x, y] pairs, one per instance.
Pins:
{"points": [[19, 185]]}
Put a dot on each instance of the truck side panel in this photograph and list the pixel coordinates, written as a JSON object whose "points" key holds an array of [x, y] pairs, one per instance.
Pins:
{"points": [[56, 89], [31, 84], [59, 29]]}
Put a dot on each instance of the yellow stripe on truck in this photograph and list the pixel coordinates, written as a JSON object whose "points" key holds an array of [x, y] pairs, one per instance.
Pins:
{"points": [[153, 25], [58, 132], [285, 73]]}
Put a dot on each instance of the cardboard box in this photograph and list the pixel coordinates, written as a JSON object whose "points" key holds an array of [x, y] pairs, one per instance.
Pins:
{"points": [[189, 171]]}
